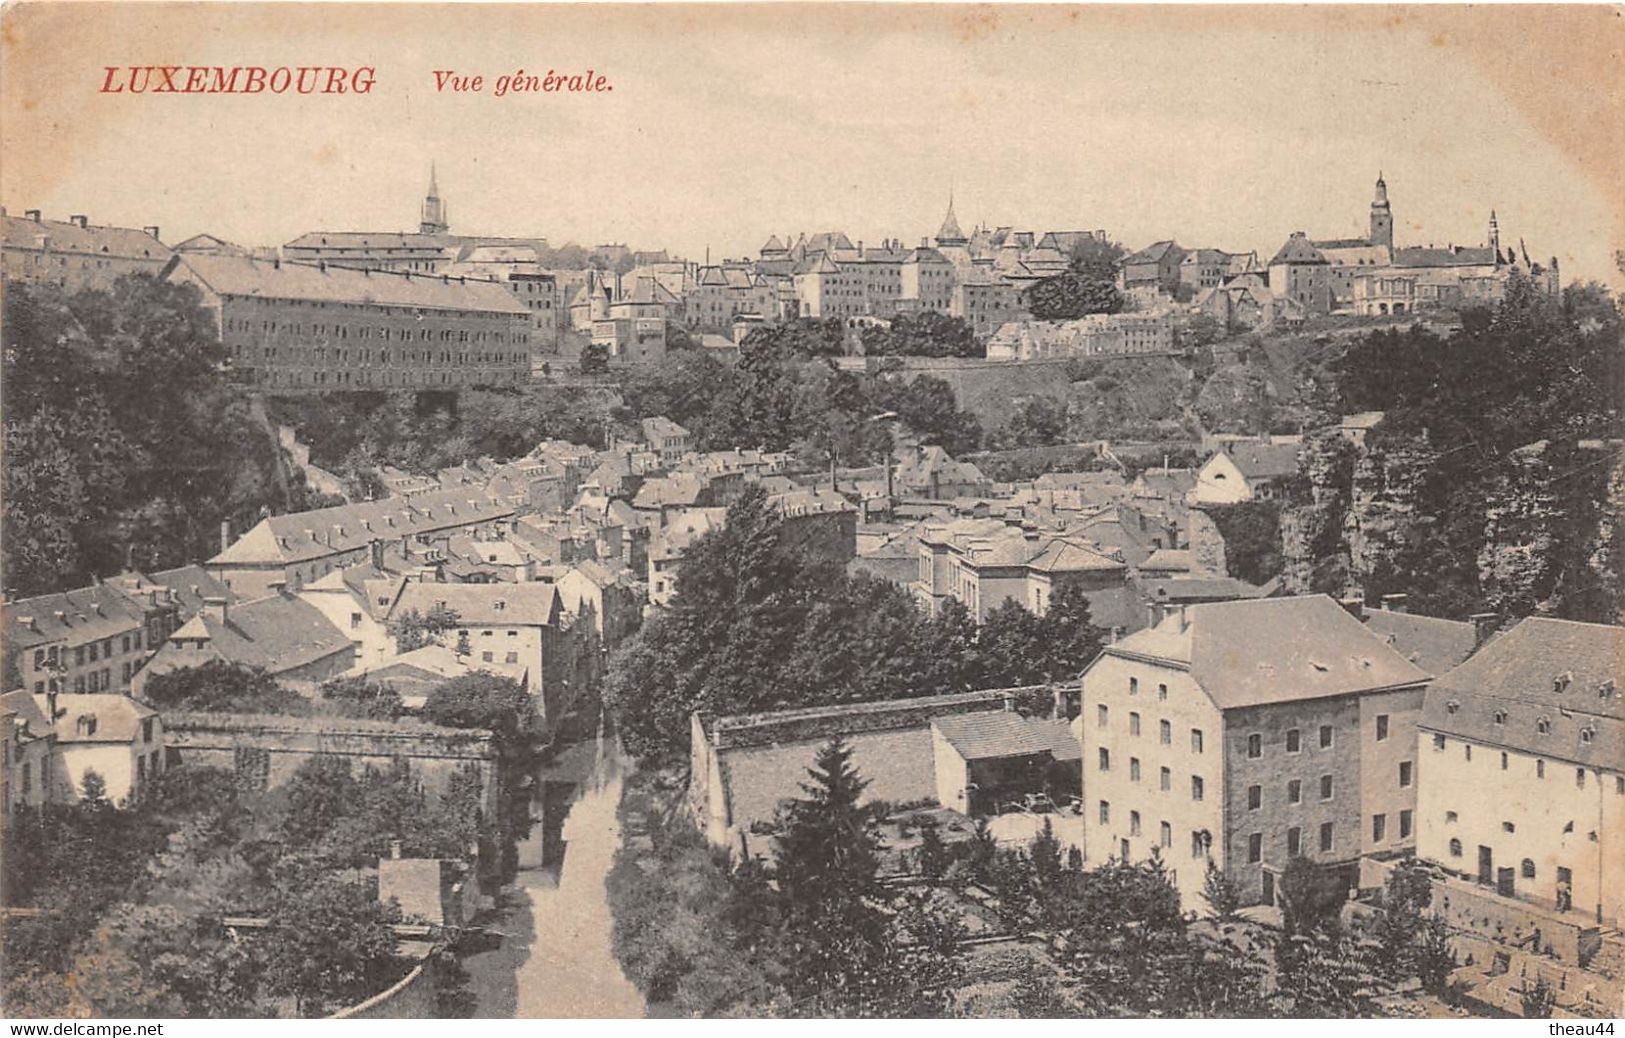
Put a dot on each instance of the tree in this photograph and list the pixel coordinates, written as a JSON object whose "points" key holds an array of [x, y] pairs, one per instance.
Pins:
{"points": [[92, 788], [1221, 895], [359, 697], [594, 359], [1321, 973], [842, 954], [1433, 956], [927, 334], [1071, 295], [125, 438], [1538, 999], [1312, 897], [931, 857], [1035, 421], [222, 687], [330, 945], [1399, 920], [413, 630]]}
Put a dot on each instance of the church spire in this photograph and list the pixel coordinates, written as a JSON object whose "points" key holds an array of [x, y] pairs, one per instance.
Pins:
{"points": [[434, 210], [949, 233]]}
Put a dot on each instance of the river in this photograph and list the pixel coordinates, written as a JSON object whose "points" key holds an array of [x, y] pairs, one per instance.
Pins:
{"points": [[556, 959]]}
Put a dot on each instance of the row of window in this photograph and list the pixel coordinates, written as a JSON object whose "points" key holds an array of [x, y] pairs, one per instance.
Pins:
{"points": [[54, 656], [1294, 842], [1439, 743], [95, 681]]}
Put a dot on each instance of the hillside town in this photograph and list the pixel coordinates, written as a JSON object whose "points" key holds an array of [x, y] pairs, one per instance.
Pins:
{"points": [[508, 577]]}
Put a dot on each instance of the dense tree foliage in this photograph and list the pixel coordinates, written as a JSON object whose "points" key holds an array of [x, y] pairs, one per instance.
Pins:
{"points": [[784, 394], [757, 624], [1494, 431], [927, 334], [220, 687], [125, 440], [133, 899], [1088, 286]]}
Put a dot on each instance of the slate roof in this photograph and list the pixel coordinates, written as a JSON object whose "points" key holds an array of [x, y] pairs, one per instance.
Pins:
{"points": [[1197, 589], [1568, 673], [66, 236], [1066, 556], [315, 534], [991, 734], [87, 614], [1430, 642], [1298, 250], [1152, 253], [679, 489], [660, 427], [1168, 560], [1265, 460], [1342, 243], [118, 718], [26, 712], [1273, 650], [265, 279], [528, 604], [1117, 606], [278, 633], [684, 530], [1454, 256]]}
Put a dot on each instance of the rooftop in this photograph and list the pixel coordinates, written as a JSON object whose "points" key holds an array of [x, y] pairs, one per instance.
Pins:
{"points": [[242, 276], [1273, 650], [990, 734]]}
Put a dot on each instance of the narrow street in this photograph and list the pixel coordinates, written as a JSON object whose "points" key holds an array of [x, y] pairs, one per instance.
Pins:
{"points": [[557, 958]]}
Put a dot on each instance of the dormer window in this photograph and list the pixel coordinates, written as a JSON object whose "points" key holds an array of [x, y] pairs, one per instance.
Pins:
{"points": [[1588, 733], [1452, 706], [86, 725], [1561, 682], [1606, 689], [1544, 726], [1500, 717]]}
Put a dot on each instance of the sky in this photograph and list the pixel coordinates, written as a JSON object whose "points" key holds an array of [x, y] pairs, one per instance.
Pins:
{"points": [[1220, 127]]}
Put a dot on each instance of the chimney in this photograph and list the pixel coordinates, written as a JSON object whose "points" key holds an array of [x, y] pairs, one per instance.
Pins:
{"points": [[215, 609], [1184, 618], [394, 850], [1355, 606], [32, 214], [406, 545], [80, 222], [50, 704], [152, 230], [377, 554], [225, 534], [1394, 603], [1484, 626]]}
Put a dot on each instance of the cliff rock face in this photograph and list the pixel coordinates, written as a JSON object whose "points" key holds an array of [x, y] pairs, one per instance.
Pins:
{"points": [[1206, 543], [1382, 505], [1607, 559], [1314, 555], [1516, 565]]}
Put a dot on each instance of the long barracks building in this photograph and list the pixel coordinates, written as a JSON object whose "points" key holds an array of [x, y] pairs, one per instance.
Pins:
{"points": [[297, 327]]}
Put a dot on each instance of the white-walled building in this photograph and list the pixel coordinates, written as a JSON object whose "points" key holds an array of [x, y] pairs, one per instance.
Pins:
{"points": [[1249, 733], [1522, 768]]}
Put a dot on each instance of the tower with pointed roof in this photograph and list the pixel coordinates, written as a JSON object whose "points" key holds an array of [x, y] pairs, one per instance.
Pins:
{"points": [[1495, 237], [1382, 217], [434, 210], [950, 234]]}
